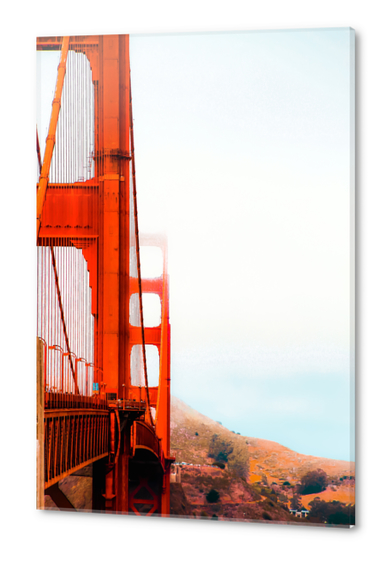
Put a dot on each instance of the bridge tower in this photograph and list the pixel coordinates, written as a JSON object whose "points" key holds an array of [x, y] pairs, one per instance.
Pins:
{"points": [[97, 217]]}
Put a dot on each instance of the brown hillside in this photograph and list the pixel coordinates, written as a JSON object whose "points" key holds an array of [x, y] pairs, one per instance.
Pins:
{"points": [[238, 500], [186, 422], [279, 463], [270, 463]]}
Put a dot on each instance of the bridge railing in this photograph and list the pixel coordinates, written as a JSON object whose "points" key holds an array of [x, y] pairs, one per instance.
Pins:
{"points": [[61, 400], [73, 439], [70, 382]]}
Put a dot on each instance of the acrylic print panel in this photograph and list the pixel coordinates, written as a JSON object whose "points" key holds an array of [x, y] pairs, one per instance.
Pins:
{"points": [[217, 384]]}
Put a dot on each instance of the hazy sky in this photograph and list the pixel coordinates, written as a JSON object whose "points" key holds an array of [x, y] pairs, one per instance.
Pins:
{"points": [[243, 156], [242, 145]]}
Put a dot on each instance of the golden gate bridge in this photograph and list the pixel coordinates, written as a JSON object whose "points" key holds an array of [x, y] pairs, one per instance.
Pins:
{"points": [[95, 406]]}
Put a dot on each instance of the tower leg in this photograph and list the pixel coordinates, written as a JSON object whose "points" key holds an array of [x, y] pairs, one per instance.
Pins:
{"points": [[123, 471], [98, 501]]}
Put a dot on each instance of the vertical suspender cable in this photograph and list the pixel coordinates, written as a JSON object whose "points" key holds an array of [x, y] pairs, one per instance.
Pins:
{"points": [[62, 314]]}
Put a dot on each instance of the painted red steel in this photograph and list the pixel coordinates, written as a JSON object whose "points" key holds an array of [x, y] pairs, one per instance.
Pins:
{"points": [[143, 500], [73, 439], [94, 409], [144, 437], [60, 400]]}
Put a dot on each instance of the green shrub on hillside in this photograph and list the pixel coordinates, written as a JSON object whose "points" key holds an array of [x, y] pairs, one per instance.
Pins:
{"points": [[255, 491], [296, 502], [313, 482], [219, 464], [239, 459], [213, 496], [267, 492], [219, 449], [334, 513]]}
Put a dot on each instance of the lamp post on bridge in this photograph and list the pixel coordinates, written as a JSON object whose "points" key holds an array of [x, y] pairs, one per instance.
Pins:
{"points": [[69, 354], [78, 360]]}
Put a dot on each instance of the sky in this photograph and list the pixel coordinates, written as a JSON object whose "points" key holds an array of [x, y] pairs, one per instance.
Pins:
{"points": [[243, 157]]}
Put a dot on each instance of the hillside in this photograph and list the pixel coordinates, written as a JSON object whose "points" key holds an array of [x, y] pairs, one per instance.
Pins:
{"points": [[237, 499], [257, 470], [267, 459], [191, 433]]}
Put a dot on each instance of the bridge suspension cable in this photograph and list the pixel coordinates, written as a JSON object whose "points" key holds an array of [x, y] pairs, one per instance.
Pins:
{"points": [[137, 242]]}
